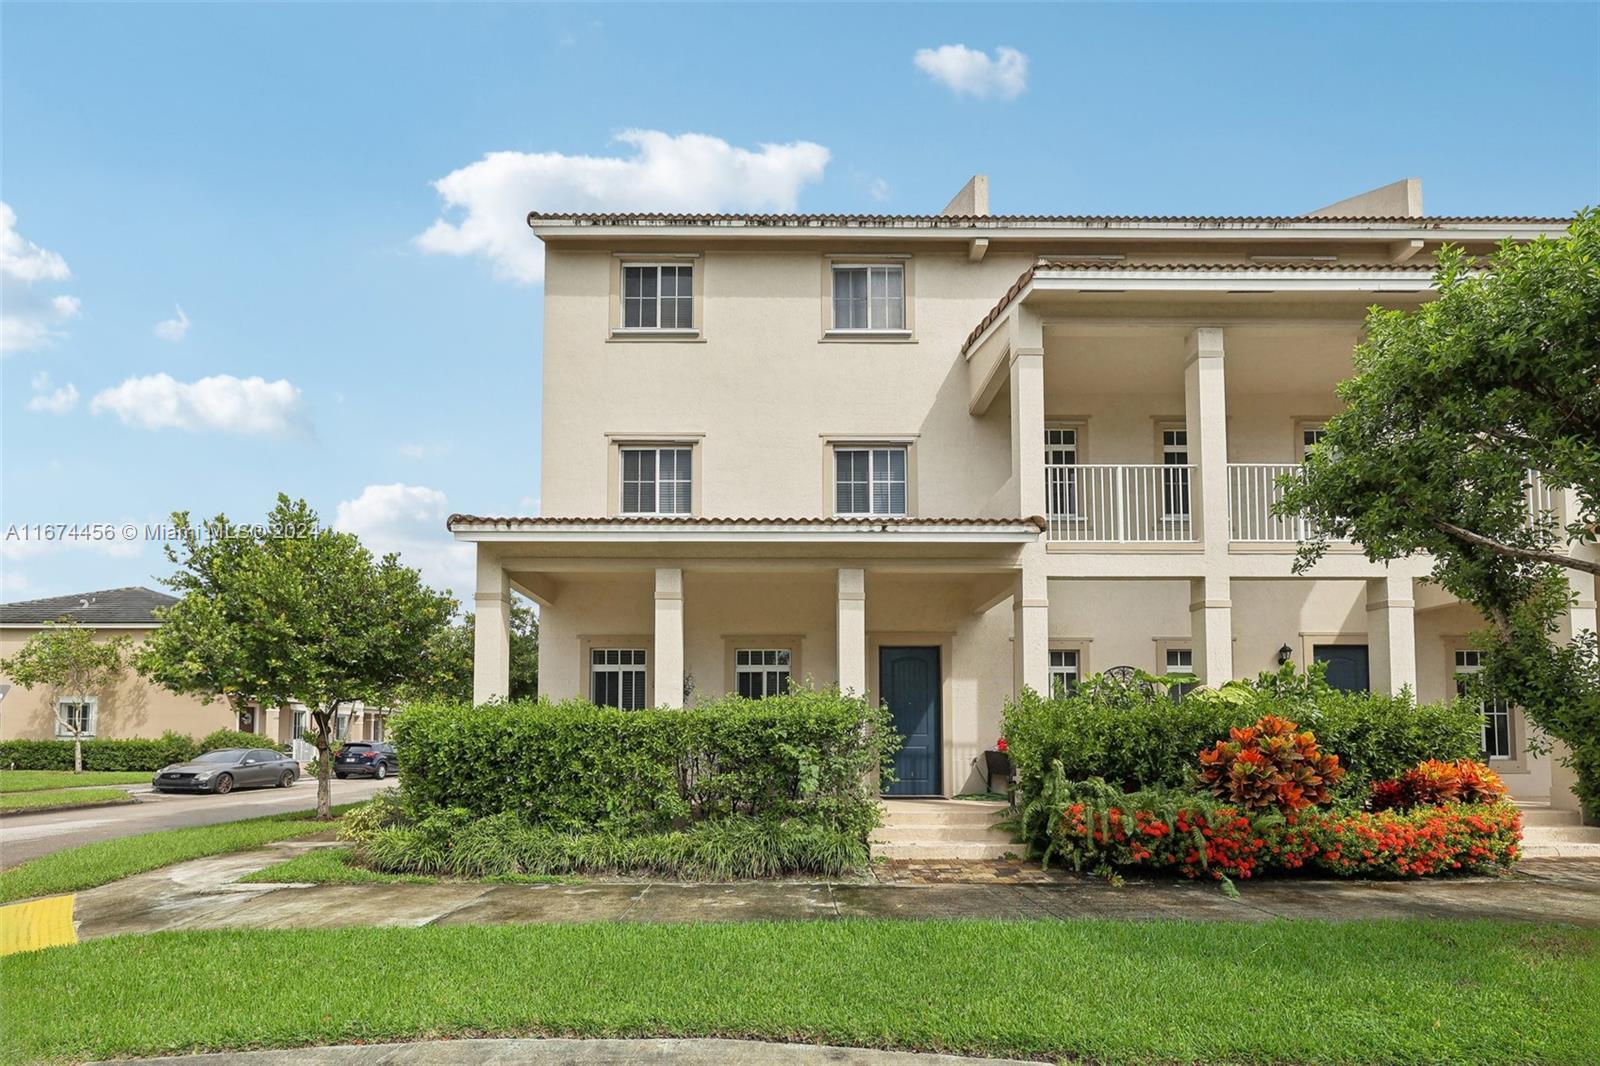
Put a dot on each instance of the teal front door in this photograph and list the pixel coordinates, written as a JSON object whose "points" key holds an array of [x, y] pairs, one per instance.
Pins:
{"points": [[909, 682]]}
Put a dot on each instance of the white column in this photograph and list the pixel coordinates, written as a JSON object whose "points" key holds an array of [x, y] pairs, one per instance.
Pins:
{"points": [[1030, 636], [491, 637], [853, 631], [669, 637], [1211, 629], [1206, 419], [1584, 585], [1392, 634], [267, 723], [1027, 413]]}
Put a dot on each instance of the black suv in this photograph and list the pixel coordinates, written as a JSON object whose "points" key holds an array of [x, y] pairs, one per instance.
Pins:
{"points": [[363, 758]]}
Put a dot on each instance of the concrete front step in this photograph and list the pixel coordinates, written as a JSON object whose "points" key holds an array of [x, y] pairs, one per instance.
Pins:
{"points": [[1561, 834], [941, 812], [1542, 816], [890, 834], [945, 850]]}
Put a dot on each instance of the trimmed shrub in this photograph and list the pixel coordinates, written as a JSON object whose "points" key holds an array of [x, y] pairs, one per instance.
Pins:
{"points": [[454, 843], [1270, 764], [233, 738], [1136, 739], [131, 755], [577, 768]]}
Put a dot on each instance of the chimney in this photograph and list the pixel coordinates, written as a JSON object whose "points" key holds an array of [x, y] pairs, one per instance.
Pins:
{"points": [[1401, 199], [973, 199]]}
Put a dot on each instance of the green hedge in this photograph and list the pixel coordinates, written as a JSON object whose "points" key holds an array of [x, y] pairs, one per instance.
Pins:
{"points": [[575, 767], [1135, 739], [122, 755]]}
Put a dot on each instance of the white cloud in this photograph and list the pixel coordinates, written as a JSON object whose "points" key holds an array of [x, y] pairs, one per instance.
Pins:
{"points": [[29, 322], [687, 172], [52, 401], [224, 403], [409, 519], [879, 190], [173, 329], [17, 547], [968, 71], [413, 451]]}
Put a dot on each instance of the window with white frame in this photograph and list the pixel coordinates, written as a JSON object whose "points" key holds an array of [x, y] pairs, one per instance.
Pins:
{"points": [[1311, 434], [616, 677], [297, 722], [870, 481], [76, 718], [1175, 475], [869, 296], [1180, 661], [657, 480], [1496, 712], [658, 296], [1061, 479], [1063, 671], [759, 672]]}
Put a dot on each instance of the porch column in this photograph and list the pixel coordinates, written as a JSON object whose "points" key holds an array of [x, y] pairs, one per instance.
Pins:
{"points": [[1027, 413], [853, 631], [1211, 629], [1030, 632], [1391, 634], [1206, 420], [1582, 613], [491, 632], [267, 723], [669, 637]]}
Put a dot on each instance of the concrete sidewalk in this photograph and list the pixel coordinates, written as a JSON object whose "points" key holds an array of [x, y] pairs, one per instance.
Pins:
{"points": [[207, 894], [580, 1052]]}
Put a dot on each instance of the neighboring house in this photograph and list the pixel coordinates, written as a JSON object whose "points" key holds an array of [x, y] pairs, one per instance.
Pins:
{"points": [[937, 458], [137, 708]]}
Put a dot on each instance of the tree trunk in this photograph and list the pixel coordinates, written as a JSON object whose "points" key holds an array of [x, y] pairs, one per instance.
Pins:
{"points": [[324, 723], [77, 752]]}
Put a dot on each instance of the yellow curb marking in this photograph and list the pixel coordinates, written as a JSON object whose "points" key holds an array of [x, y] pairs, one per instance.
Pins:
{"points": [[43, 923]]}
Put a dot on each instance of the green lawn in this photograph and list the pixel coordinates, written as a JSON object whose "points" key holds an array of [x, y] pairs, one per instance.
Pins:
{"points": [[1106, 991], [35, 780], [105, 861], [336, 866], [62, 797]]}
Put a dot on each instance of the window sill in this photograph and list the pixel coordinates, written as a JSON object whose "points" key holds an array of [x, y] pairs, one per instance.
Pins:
{"points": [[861, 517], [879, 336], [621, 333]]}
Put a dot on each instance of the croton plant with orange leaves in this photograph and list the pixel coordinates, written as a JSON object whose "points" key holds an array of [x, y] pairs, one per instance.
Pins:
{"points": [[1435, 782], [1272, 764]]}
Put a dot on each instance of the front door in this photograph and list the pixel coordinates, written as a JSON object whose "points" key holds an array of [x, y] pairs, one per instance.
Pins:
{"points": [[1347, 666], [909, 682]]}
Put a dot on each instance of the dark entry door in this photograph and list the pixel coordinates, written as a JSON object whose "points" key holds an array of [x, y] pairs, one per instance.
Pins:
{"points": [[909, 678], [1347, 665]]}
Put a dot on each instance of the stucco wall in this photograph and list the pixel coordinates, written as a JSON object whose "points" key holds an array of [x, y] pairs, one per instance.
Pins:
{"points": [[135, 709]]}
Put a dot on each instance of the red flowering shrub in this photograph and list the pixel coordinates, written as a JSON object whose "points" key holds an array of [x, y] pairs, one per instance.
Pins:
{"points": [[1270, 765], [1458, 838], [1432, 783], [1199, 840]]}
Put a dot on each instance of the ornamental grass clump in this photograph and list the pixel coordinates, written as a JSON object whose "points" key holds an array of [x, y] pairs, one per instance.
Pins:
{"points": [[1270, 765]]}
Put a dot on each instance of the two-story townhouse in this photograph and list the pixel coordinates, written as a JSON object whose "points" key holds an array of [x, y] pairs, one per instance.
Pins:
{"points": [[938, 458]]}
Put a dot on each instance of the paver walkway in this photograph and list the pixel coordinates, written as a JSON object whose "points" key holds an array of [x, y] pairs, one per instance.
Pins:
{"points": [[579, 1052], [207, 894]]}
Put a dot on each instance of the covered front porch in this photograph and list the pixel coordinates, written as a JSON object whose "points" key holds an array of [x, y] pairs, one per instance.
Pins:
{"points": [[932, 617]]}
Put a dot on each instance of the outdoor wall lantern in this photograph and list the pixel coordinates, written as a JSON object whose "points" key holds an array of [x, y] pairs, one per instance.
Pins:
{"points": [[1285, 653]]}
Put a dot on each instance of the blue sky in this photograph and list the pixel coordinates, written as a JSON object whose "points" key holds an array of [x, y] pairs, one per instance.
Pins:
{"points": [[269, 169]]}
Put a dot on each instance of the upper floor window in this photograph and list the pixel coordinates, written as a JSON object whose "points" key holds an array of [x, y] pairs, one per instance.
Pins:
{"points": [[658, 296], [657, 481], [1175, 478], [870, 481], [1311, 434], [1061, 480], [1063, 672], [869, 297]]}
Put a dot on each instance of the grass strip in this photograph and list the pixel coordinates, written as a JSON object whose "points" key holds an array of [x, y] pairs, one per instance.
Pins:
{"points": [[35, 780], [62, 797], [105, 861], [337, 866], [1106, 991]]}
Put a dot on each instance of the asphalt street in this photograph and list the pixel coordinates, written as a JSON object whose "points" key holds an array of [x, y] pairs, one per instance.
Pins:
{"points": [[28, 836]]}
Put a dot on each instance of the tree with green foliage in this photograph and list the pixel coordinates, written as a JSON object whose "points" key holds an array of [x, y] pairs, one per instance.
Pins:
{"points": [[73, 668], [450, 659], [291, 611], [1466, 423]]}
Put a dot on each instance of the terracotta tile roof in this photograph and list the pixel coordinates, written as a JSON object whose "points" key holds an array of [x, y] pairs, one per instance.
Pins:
{"points": [[1121, 266], [799, 221], [132, 605], [636, 521]]}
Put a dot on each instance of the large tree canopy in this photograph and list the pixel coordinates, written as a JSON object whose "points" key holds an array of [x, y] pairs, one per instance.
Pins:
{"points": [[289, 611], [1466, 423], [450, 656]]}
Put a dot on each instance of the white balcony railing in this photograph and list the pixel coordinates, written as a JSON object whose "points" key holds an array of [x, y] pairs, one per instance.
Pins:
{"points": [[1119, 503], [1253, 492]]}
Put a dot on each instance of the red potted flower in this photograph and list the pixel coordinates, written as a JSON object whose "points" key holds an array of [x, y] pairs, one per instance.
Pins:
{"points": [[997, 763]]}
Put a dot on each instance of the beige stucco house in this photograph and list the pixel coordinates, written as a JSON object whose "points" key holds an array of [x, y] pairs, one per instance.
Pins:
{"points": [[937, 458], [136, 707]]}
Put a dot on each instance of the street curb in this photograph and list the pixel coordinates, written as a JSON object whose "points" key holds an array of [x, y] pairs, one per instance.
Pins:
{"points": [[71, 807]]}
